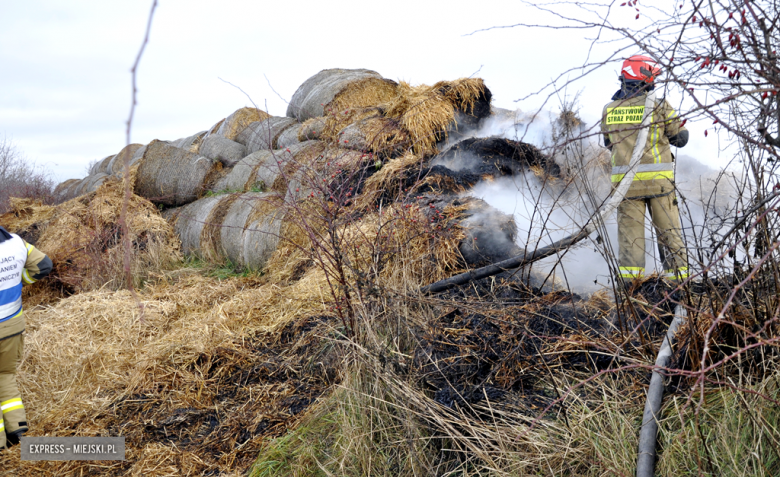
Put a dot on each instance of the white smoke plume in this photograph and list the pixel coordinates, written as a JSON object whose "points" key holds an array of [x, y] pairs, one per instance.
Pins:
{"points": [[548, 210]]}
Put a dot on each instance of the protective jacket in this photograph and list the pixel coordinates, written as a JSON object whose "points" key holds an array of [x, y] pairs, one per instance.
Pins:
{"points": [[620, 125], [20, 263]]}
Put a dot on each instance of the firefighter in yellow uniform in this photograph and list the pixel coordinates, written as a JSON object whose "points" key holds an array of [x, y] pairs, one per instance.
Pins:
{"points": [[653, 184], [20, 263]]}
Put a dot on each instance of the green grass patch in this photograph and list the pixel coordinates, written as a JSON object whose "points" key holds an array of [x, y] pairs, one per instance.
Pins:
{"points": [[734, 434]]}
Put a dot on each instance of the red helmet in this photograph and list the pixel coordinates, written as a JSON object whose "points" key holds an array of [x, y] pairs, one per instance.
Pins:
{"points": [[640, 68]]}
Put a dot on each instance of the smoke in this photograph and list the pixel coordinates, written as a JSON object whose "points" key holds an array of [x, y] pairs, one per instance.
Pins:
{"points": [[709, 202], [458, 162], [517, 125], [548, 210]]}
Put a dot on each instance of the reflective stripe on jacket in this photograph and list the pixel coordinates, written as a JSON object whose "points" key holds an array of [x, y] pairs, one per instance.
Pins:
{"points": [[620, 124], [20, 263]]}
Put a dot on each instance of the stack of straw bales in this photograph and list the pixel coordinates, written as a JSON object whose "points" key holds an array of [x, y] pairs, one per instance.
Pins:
{"points": [[98, 174], [382, 134]]}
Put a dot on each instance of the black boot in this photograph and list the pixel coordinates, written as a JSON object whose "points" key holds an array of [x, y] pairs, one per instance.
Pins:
{"points": [[13, 438]]}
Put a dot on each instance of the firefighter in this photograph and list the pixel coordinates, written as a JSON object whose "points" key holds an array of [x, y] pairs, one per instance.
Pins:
{"points": [[653, 186], [20, 263]]}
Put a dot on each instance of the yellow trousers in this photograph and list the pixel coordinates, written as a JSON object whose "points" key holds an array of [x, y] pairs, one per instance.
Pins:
{"points": [[631, 237], [13, 416]]}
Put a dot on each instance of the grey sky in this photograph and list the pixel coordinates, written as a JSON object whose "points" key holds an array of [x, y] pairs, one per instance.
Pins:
{"points": [[65, 83]]}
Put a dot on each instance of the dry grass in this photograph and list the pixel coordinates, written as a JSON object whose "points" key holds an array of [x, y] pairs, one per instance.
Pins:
{"points": [[428, 111], [363, 94], [390, 118], [83, 237], [336, 121], [388, 180], [98, 364]]}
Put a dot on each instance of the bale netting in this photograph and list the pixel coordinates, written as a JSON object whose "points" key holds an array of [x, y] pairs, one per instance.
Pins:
{"points": [[64, 189], [190, 143], [257, 171], [242, 228], [288, 137], [222, 149], [250, 229], [494, 157], [232, 126], [264, 134], [118, 162], [190, 221], [294, 160], [84, 240], [172, 176], [94, 182], [100, 166], [339, 89], [81, 187]]}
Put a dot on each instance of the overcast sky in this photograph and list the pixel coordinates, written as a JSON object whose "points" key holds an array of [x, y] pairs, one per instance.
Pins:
{"points": [[65, 82]]}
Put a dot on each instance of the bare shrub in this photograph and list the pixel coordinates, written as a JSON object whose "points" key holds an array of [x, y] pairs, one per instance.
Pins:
{"points": [[21, 178]]}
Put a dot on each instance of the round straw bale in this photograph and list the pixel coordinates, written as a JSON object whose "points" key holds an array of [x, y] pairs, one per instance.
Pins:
{"points": [[235, 124], [134, 160], [288, 137], [358, 88], [63, 190], [211, 233], [256, 171], [117, 163], [101, 165], [170, 215], [171, 176], [264, 134], [245, 236], [261, 238], [378, 134], [311, 129], [222, 149], [81, 187], [266, 170], [190, 221], [190, 143], [295, 165], [95, 181]]}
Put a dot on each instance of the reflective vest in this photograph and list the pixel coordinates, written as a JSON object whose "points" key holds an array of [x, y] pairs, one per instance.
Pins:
{"points": [[620, 123], [13, 256]]}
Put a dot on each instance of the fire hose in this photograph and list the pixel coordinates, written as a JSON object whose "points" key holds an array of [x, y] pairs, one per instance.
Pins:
{"points": [[649, 430], [645, 462]]}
